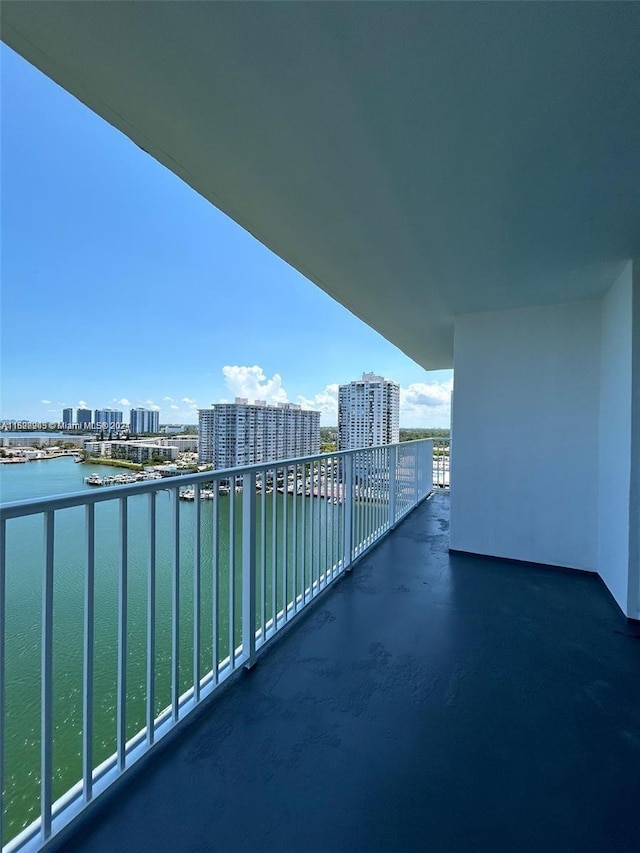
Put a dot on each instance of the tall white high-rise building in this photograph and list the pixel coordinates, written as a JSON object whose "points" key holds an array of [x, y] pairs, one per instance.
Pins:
{"points": [[368, 412], [243, 433]]}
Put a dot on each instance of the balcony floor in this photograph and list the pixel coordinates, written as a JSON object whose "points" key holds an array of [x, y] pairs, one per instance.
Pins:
{"points": [[431, 701]]}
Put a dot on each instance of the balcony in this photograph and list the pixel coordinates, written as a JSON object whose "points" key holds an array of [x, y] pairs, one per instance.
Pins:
{"points": [[428, 698], [153, 594], [431, 701], [446, 172]]}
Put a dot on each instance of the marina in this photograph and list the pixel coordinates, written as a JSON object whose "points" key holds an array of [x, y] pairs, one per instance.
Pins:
{"points": [[121, 479]]}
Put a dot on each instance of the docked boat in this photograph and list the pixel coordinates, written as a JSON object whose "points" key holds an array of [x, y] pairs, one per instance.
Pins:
{"points": [[94, 480]]}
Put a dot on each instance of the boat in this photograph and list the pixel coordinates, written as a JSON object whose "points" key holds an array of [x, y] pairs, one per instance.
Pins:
{"points": [[94, 480]]}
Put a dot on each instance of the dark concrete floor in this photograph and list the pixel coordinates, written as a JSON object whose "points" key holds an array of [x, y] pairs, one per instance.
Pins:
{"points": [[431, 702]]}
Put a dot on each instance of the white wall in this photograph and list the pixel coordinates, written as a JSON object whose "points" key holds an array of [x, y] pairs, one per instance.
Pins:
{"points": [[546, 431], [525, 432], [615, 438]]}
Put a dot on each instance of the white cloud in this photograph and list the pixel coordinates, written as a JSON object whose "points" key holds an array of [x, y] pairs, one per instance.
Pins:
{"points": [[46, 402], [174, 407], [426, 404], [188, 401], [167, 399], [251, 382], [149, 404], [123, 401], [326, 402], [82, 404]]}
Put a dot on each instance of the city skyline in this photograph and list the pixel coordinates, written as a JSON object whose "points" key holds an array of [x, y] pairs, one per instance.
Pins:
{"points": [[132, 290]]}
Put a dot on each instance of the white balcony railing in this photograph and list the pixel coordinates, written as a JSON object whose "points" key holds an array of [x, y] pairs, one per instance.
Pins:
{"points": [[203, 570]]}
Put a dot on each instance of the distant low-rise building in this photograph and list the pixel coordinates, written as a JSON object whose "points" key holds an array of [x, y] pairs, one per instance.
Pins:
{"points": [[98, 449], [141, 451], [184, 443], [45, 440]]}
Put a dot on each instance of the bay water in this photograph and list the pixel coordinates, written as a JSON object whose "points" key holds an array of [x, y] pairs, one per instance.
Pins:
{"points": [[25, 550]]}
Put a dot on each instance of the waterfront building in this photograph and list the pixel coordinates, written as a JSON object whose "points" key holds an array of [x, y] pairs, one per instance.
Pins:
{"points": [[143, 420], [242, 433], [368, 412], [107, 418], [29, 439], [184, 443], [98, 449], [83, 418], [67, 417], [141, 451]]}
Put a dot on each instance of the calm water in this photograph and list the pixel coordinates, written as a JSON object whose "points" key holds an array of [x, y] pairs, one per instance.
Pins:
{"points": [[24, 606]]}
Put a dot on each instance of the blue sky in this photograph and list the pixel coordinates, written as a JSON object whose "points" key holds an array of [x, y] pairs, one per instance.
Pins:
{"points": [[122, 287]]}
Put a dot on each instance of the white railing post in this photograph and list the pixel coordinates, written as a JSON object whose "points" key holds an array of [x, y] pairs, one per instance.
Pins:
{"points": [[3, 576], [46, 680], [347, 501], [249, 568], [429, 450], [393, 465]]}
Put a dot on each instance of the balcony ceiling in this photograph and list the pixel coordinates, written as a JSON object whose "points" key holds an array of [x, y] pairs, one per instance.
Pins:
{"points": [[415, 160]]}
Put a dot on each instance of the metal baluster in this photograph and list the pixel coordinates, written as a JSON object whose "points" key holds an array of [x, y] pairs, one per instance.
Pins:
{"points": [[121, 721], [303, 530], [263, 556], [232, 571], [294, 548], [87, 667], [46, 702], [393, 457], [215, 586], [249, 568], [285, 544], [3, 616], [312, 524], [197, 589], [274, 550], [151, 622], [347, 502], [175, 607]]}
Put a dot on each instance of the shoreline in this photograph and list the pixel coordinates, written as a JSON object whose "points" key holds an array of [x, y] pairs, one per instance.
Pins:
{"points": [[13, 460], [113, 463]]}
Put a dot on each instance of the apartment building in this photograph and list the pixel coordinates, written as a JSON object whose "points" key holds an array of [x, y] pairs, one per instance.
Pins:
{"points": [[243, 433], [143, 420], [368, 412], [141, 451], [107, 418], [83, 418]]}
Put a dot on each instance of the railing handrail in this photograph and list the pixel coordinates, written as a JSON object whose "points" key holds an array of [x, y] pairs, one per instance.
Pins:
{"points": [[18, 509], [349, 500]]}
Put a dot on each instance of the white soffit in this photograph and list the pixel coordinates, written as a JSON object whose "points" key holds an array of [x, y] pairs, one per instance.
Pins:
{"points": [[415, 160]]}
